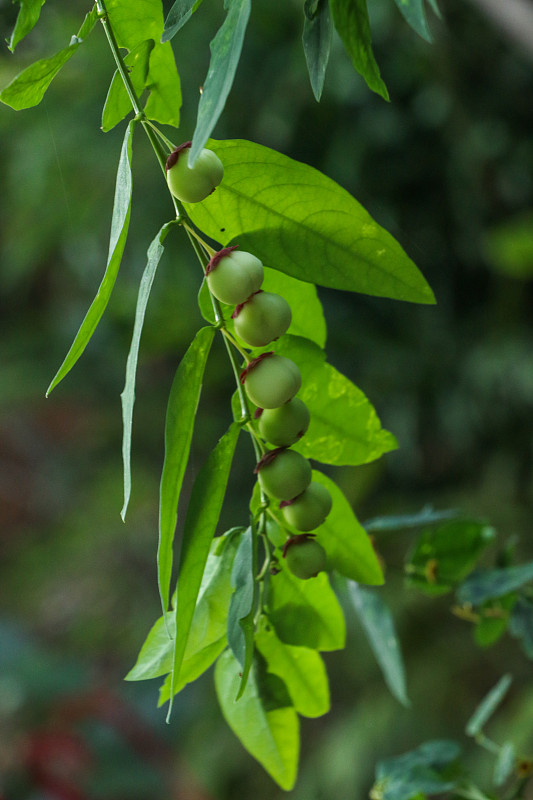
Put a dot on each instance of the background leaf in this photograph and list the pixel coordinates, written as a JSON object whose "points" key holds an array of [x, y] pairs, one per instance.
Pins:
{"points": [[179, 14], [117, 241], [378, 624], [225, 54], [316, 40], [203, 513], [30, 11], [266, 727], [416, 773], [181, 412], [521, 624], [486, 584], [28, 88], [155, 251], [488, 706], [301, 669], [414, 13], [297, 220], [505, 763], [351, 21], [344, 427]]}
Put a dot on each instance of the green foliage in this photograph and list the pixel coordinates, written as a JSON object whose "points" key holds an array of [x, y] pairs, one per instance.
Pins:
{"points": [[179, 14], [28, 16], [300, 222], [243, 605], [316, 40], [420, 772], [484, 585], [488, 706], [351, 21], [414, 13]]}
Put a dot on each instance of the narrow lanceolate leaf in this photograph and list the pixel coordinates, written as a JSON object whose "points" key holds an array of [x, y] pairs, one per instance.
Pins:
{"points": [[298, 221], [200, 524], [242, 606], [483, 585], [414, 13], [488, 706], [181, 412], [505, 763], [225, 54], [521, 624], [118, 103], [209, 623], [344, 427], [316, 40], [301, 669], [179, 14], [353, 26], [155, 251], [28, 88], [264, 719], [379, 627], [117, 241], [30, 11]]}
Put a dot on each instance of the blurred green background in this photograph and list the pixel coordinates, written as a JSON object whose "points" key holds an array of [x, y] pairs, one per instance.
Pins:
{"points": [[447, 167]]}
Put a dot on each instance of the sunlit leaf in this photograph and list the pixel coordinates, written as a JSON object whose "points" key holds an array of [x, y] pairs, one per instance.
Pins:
{"points": [[488, 706], [316, 40], [203, 513], [225, 54], [181, 412], [28, 88], [297, 220], [263, 719], [379, 627], [301, 668], [353, 26], [119, 232], [133, 25], [164, 103], [155, 251], [118, 104], [30, 11]]}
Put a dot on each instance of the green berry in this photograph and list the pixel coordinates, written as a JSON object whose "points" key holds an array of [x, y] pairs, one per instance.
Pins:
{"points": [[309, 510], [283, 473], [265, 316], [193, 184], [271, 380], [304, 556], [283, 426], [233, 275]]}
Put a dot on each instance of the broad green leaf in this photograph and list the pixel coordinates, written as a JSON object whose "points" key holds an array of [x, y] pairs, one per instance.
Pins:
{"points": [[132, 26], [30, 11], [118, 104], [488, 706], [399, 522], [155, 251], [353, 26], [443, 556], [414, 13], [203, 513], [298, 221], [28, 88], [494, 619], [306, 613], [242, 606], [316, 40], [225, 54], [344, 427], [119, 231], [521, 624], [181, 412], [301, 669], [377, 621], [487, 584], [505, 763], [265, 725], [417, 773], [179, 14], [164, 103]]}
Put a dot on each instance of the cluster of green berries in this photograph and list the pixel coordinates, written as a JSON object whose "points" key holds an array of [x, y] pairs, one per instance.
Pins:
{"points": [[271, 381]]}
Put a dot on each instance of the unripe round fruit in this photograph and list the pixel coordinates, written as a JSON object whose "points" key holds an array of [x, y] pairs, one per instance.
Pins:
{"points": [[233, 275], [271, 380], [265, 316], [283, 473], [309, 510], [283, 426], [304, 556], [193, 184]]}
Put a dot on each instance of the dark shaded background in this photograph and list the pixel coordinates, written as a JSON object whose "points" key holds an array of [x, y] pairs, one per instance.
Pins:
{"points": [[447, 167]]}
